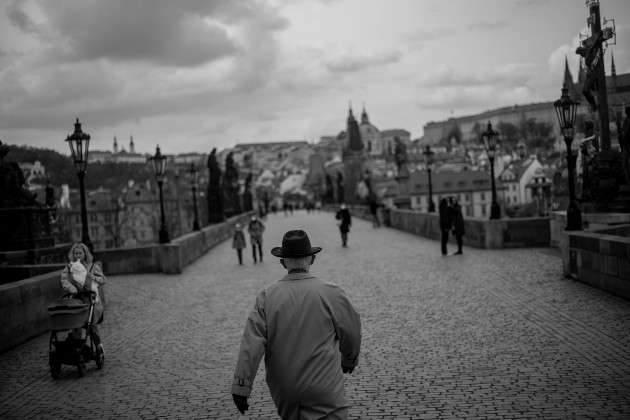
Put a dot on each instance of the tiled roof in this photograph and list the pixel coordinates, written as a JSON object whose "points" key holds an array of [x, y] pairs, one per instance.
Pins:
{"points": [[452, 182]]}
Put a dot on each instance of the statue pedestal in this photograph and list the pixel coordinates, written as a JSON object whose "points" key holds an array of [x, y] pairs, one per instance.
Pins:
{"points": [[403, 200], [215, 204]]}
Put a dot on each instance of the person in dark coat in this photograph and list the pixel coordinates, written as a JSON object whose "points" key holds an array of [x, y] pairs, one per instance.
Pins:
{"points": [[445, 223], [374, 212], [256, 229], [458, 224], [238, 242], [345, 221]]}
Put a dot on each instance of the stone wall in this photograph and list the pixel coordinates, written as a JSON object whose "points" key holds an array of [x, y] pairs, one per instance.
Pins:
{"points": [[599, 258], [480, 233], [23, 303]]}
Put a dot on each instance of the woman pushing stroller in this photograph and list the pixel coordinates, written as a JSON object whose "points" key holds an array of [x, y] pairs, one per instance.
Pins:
{"points": [[82, 275]]}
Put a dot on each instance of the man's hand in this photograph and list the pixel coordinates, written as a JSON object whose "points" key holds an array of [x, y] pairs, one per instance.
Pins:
{"points": [[346, 369], [241, 403]]}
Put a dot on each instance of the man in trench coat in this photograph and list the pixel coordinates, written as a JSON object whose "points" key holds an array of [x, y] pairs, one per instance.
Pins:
{"points": [[309, 333]]}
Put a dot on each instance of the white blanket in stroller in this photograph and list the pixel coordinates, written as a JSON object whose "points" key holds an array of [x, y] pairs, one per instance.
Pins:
{"points": [[79, 272]]}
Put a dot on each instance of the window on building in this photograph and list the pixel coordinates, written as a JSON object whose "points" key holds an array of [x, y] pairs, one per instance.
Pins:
{"points": [[466, 197], [94, 232], [483, 210], [508, 200], [467, 210], [483, 196], [93, 217]]}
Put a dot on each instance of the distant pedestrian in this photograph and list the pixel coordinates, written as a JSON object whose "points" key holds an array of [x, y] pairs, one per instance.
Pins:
{"points": [[238, 242], [458, 225], [374, 211], [256, 229], [345, 221], [309, 334], [445, 223]]}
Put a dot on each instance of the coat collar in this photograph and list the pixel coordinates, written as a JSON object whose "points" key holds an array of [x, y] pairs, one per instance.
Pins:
{"points": [[297, 276]]}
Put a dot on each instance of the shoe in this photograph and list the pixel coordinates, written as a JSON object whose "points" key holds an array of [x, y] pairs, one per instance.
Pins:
{"points": [[458, 253], [102, 348]]}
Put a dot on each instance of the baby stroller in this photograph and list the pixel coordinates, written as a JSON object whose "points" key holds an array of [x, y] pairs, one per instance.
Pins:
{"points": [[68, 313]]}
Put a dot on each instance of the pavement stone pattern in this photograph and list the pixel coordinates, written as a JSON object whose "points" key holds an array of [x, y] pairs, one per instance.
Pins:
{"points": [[491, 334]]}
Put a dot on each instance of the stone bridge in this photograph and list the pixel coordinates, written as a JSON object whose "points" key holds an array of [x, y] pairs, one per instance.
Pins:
{"points": [[492, 334]]}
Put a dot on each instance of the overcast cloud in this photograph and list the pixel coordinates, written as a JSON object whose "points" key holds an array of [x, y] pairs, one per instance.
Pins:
{"points": [[196, 74]]}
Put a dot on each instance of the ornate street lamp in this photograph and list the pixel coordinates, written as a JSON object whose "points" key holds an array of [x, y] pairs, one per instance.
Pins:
{"points": [[566, 108], [428, 154], [490, 139], [158, 162], [79, 147], [193, 177]]}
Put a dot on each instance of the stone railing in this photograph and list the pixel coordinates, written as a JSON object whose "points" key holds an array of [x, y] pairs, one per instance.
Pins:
{"points": [[480, 233], [23, 303], [600, 255]]}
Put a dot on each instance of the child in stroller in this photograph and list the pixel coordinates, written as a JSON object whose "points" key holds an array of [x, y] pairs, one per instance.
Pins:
{"points": [[81, 313]]}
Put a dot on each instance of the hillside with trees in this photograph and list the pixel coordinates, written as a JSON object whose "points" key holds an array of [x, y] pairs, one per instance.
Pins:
{"points": [[60, 169]]}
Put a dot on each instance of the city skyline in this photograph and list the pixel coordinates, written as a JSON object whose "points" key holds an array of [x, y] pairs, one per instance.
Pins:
{"points": [[195, 75]]}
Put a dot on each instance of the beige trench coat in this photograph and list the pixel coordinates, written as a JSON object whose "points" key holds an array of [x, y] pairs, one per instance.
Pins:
{"points": [[307, 329]]}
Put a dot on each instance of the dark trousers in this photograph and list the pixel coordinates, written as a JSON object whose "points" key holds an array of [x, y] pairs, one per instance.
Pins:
{"points": [[240, 256], [444, 240], [344, 239], [259, 251], [459, 242]]}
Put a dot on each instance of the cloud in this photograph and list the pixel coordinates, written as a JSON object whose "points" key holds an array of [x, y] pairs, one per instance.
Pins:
{"points": [[513, 74], [166, 33], [351, 62], [486, 25], [18, 17]]}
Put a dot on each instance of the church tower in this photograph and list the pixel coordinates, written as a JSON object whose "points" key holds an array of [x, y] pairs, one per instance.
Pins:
{"points": [[115, 145], [132, 147], [568, 80], [354, 159]]}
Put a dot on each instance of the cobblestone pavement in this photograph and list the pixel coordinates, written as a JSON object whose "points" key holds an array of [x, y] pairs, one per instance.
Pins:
{"points": [[492, 334]]}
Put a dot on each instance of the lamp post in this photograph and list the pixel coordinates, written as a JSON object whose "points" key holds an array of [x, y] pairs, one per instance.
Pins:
{"points": [[490, 139], [79, 143], [428, 153], [158, 161], [193, 176], [566, 108]]}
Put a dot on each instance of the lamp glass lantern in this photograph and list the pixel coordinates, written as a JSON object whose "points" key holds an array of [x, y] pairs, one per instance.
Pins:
{"points": [[566, 108], [158, 162], [193, 175], [428, 155], [490, 139], [79, 143]]}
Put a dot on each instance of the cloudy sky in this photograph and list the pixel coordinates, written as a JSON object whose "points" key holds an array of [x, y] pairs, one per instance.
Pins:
{"points": [[191, 75]]}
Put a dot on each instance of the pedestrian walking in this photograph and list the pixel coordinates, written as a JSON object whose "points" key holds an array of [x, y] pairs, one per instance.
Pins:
{"points": [[374, 211], [345, 221], [310, 335], [82, 274], [445, 223], [238, 242], [459, 229], [256, 229]]}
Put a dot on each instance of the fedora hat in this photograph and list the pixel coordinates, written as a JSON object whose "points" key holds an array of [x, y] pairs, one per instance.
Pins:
{"points": [[295, 244]]}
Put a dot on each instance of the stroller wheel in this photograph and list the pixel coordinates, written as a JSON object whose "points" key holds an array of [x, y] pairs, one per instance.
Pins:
{"points": [[55, 365], [81, 367], [100, 356]]}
